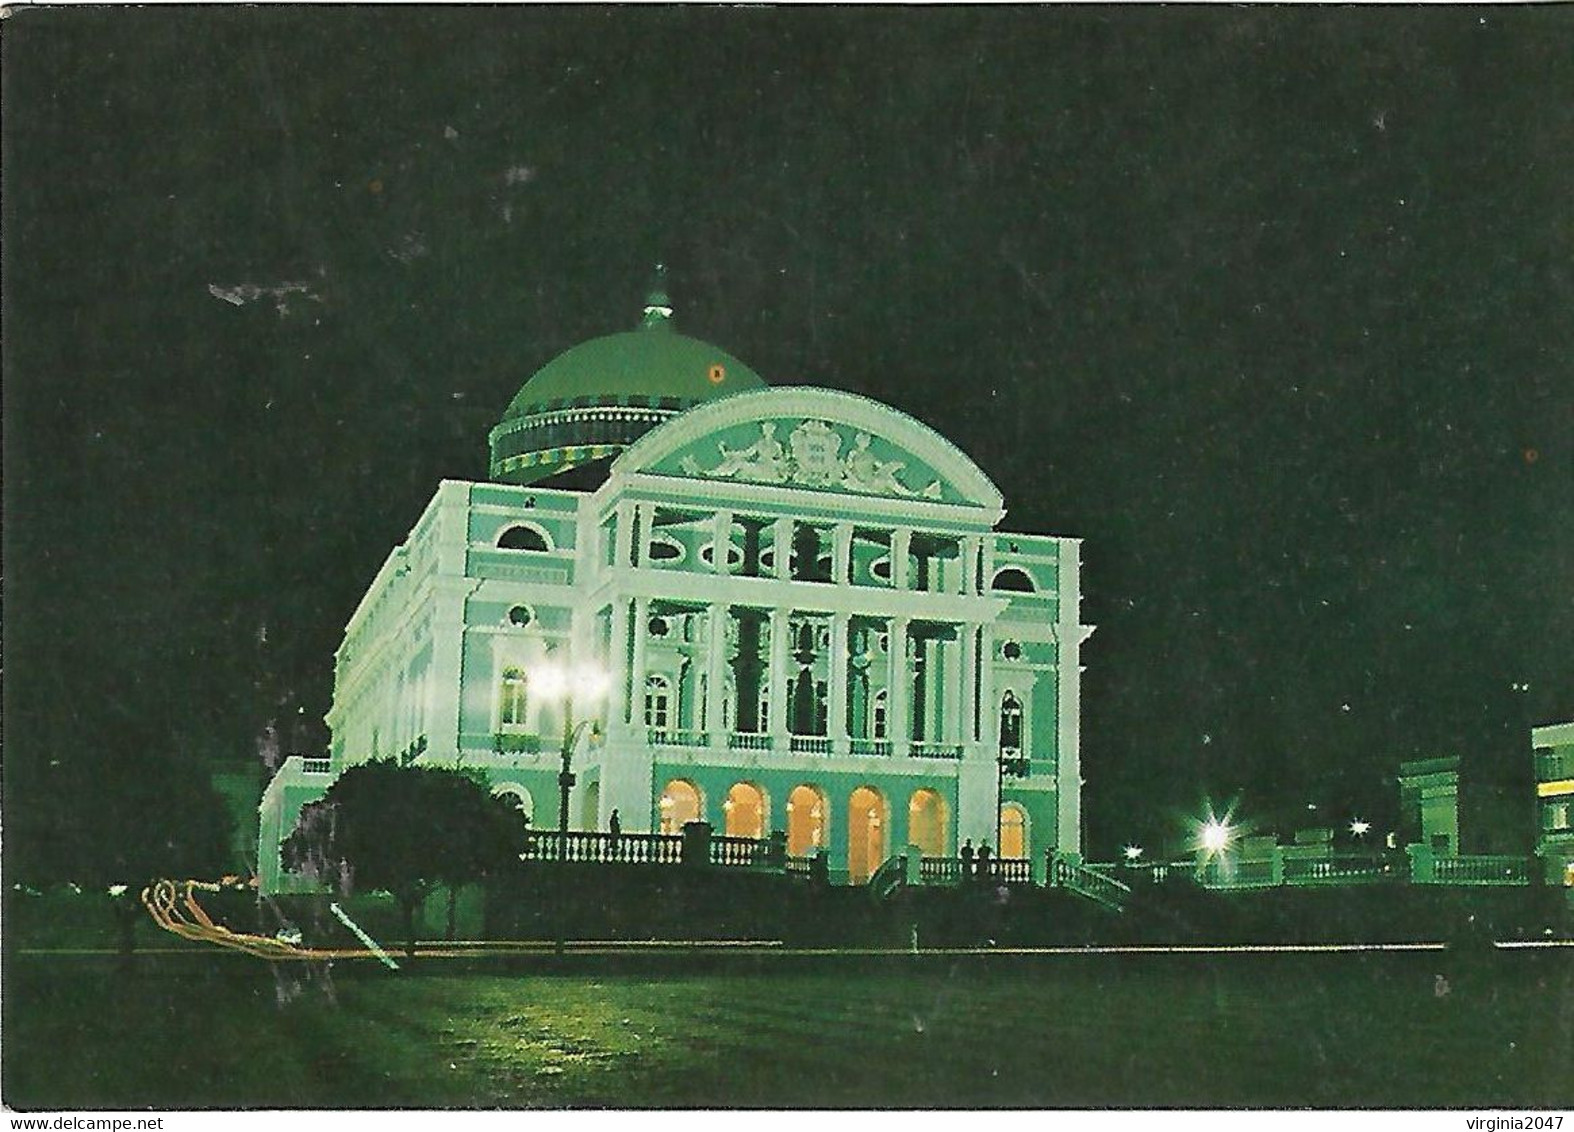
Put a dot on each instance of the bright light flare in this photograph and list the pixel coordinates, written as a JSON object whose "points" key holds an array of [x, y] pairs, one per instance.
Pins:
{"points": [[583, 682], [1133, 852], [1360, 828], [1215, 836]]}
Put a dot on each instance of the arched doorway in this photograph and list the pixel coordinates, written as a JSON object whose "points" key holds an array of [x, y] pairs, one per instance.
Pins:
{"points": [[590, 808], [806, 820], [518, 797], [680, 803], [745, 811], [926, 822], [1013, 832], [867, 818]]}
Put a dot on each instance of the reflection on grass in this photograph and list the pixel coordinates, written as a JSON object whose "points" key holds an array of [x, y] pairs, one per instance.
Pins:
{"points": [[1324, 1031]]}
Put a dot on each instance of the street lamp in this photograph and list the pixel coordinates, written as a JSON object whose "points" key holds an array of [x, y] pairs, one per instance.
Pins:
{"points": [[561, 683]]}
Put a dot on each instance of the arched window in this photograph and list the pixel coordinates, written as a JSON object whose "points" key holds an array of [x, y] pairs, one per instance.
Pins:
{"points": [[679, 804], [879, 715], [513, 699], [1011, 723], [522, 537], [926, 822], [1013, 832], [517, 796], [806, 820], [1014, 580], [745, 811], [658, 702], [867, 818]]}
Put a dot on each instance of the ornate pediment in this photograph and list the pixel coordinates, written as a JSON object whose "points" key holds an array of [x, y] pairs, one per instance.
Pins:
{"points": [[817, 454], [815, 439]]}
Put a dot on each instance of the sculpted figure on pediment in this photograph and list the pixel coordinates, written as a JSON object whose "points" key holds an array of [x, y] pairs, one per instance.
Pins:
{"points": [[815, 460]]}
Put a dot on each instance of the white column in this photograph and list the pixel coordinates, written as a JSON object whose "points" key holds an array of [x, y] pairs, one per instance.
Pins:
{"points": [[968, 563], [715, 673], [1069, 634], [986, 562], [842, 546], [777, 675], [636, 706], [967, 731], [646, 513], [783, 542], [836, 714], [721, 543], [898, 683], [617, 668], [623, 535], [901, 542], [989, 696], [447, 675]]}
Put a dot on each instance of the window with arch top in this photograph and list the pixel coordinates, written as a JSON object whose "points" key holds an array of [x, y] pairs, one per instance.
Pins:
{"points": [[1011, 723], [1014, 580], [513, 698], [523, 537]]}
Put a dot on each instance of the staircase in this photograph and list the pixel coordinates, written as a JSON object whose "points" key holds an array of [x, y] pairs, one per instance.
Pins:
{"points": [[1075, 877], [889, 878]]}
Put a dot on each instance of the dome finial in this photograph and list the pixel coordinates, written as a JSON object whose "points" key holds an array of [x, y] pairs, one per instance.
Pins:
{"points": [[658, 308]]}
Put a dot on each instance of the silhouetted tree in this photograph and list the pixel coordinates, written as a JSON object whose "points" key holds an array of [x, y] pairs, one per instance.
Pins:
{"points": [[405, 830]]}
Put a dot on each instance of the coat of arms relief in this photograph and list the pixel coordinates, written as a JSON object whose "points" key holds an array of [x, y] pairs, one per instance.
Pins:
{"points": [[812, 457]]}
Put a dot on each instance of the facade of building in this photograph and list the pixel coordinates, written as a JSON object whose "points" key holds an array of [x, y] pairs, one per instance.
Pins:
{"points": [[771, 609], [1554, 754]]}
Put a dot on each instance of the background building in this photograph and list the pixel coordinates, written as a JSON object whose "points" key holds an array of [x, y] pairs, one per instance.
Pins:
{"points": [[799, 608], [1554, 752]]}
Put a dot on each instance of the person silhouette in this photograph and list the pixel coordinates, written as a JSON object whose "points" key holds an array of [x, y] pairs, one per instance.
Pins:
{"points": [[615, 828], [967, 859], [983, 859]]}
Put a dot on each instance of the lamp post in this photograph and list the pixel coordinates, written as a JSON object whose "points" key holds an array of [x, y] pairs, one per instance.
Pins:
{"points": [[560, 683]]}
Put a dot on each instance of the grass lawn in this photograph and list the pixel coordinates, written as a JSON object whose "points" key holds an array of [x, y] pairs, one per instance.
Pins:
{"points": [[1105, 1031]]}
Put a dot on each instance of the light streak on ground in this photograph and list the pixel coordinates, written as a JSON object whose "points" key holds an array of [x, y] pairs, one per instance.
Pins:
{"points": [[344, 918], [173, 906]]}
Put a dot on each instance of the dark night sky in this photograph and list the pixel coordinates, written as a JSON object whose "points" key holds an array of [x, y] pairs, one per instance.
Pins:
{"points": [[1272, 307]]}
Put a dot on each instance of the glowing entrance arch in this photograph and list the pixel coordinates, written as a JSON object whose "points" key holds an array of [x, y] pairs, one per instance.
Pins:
{"points": [[807, 814], [745, 811], [867, 819], [681, 802], [926, 822], [1013, 832]]}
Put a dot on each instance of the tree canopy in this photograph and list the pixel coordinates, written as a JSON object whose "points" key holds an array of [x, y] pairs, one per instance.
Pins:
{"points": [[404, 830]]}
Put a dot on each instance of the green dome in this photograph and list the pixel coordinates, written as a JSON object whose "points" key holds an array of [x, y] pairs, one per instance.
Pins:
{"points": [[592, 401], [654, 363]]}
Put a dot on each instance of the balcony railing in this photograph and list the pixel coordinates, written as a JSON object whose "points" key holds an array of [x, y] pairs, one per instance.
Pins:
{"points": [[1345, 868], [1009, 870], [316, 766], [810, 745], [940, 870], [745, 852], [1481, 870], [880, 748], [603, 848], [748, 741], [664, 737], [928, 750]]}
